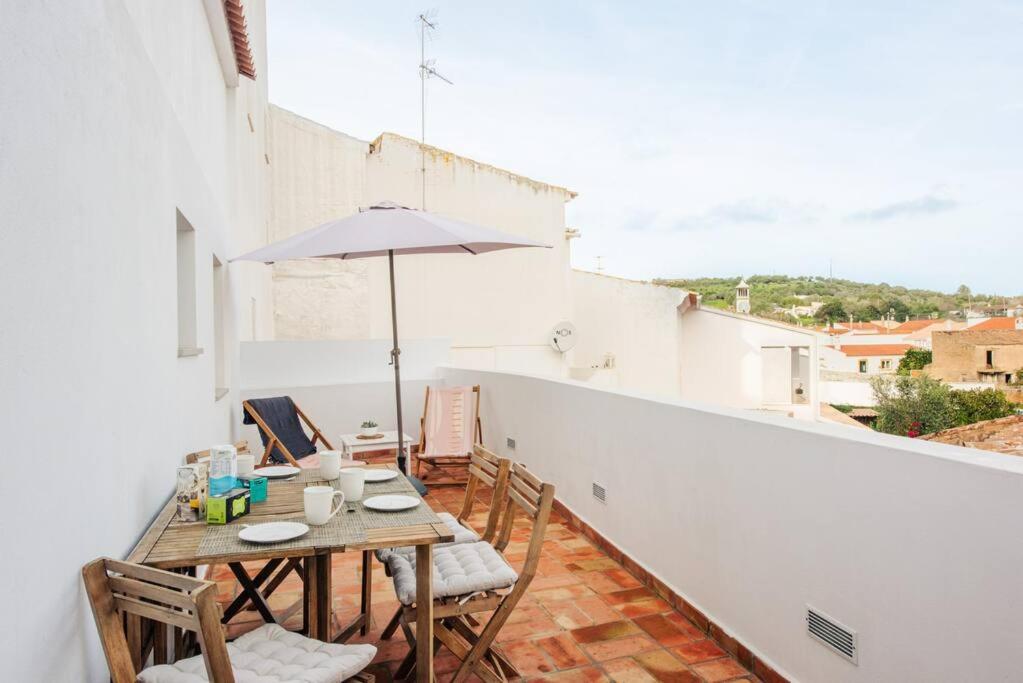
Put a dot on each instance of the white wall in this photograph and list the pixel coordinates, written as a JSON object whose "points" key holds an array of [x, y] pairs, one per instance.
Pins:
{"points": [[752, 518], [848, 392], [115, 116], [339, 384], [496, 308], [638, 322], [721, 358]]}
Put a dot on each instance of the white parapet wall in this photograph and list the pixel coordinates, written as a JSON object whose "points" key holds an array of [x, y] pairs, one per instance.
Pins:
{"points": [[338, 384], [913, 545]]}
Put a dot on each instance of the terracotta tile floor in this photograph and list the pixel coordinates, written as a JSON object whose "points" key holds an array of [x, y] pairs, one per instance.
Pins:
{"points": [[584, 618]]}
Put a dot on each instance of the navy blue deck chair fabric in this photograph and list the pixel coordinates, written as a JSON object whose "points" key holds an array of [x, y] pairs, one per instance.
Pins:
{"points": [[280, 416]]}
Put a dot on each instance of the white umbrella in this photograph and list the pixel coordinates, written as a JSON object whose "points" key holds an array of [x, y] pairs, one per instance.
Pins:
{"points": [[388, 229]]}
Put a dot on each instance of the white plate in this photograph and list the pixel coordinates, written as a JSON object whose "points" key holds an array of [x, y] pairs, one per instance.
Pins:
{"points": [[380, 475], [273, 532], [391, 503], [277, 471]]}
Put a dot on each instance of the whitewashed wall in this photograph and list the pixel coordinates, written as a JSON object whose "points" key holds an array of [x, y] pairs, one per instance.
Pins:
{"points": [[339, 384], [848, 392], [721, 358], [496, 308], [114, 115], [752, 518], [637, 322]]}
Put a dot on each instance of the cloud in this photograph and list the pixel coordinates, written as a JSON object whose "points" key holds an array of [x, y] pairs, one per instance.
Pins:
{"points": [[745, 212], [926, 205]]}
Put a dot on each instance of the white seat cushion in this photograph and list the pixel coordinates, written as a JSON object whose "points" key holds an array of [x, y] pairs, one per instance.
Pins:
{"points": [[462, 535], [271, 654], [458, 569]]}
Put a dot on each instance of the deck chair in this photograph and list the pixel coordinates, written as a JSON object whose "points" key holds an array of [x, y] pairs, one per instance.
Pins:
{"points": [[474, 578], [284, 439], [193, 458], [449, 428], [125, 594], [485, 468]]}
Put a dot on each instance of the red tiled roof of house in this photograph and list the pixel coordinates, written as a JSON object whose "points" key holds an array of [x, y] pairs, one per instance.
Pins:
{"points": [[914, 326], [874, 349], [995, 324], [240, 37], [1003, 435]]}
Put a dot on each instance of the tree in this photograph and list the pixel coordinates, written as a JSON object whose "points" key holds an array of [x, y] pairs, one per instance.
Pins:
{"points": [[865, 314], [833, 310], [963, 292], [918, 405], [915, 359], [911, 406], [978, 405], [898, 306]]}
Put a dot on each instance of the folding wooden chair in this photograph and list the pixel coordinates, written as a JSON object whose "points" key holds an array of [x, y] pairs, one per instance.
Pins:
{"points": [[484, 467], [462, 589], [449, 428], [284, 439], [123, 594]]}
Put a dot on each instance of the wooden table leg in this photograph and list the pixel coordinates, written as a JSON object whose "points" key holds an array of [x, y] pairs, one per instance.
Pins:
{"points": [[251, 589], [367, 590], [424, 612], [319, 604]]}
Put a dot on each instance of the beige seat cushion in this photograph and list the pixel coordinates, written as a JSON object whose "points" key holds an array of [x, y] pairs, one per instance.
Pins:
{"points": [[461, 533], [458, 569], [271, 654]]}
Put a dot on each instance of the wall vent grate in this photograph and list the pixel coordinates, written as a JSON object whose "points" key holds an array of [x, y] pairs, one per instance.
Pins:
{"points": [[838, 638], [599, 492]]}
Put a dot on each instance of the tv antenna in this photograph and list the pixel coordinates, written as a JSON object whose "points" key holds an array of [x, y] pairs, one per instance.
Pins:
{"points": [[427, 25]]}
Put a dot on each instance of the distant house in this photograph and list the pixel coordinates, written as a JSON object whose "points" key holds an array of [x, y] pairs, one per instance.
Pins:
{"points": [[922, 335], [978, 354], [865, 359], [999, 324], [853, 328]]}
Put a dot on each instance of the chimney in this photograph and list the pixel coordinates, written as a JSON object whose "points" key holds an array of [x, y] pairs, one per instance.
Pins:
{"points": [[1019, 323]]}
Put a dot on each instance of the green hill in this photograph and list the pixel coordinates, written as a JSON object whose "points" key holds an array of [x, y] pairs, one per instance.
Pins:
{"points": [[863, 301]]}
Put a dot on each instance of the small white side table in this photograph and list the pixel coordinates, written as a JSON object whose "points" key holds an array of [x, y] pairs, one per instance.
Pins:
{"points": [[388, 442]]}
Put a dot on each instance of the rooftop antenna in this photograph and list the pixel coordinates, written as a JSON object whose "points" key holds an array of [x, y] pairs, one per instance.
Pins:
{"points": [[426, 27], [600, 265]]}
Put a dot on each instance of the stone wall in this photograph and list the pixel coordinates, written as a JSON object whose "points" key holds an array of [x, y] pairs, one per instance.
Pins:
{"points": [[960, 356]]}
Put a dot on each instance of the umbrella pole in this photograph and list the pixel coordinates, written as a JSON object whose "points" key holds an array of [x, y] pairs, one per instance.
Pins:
{"points": [[403, 465]]}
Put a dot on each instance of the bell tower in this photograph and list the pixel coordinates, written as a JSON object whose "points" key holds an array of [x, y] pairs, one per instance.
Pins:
{"points": [[742, 297]]}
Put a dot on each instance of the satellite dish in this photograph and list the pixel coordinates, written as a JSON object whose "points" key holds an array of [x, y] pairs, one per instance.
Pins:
{"points": [[563, 336]]}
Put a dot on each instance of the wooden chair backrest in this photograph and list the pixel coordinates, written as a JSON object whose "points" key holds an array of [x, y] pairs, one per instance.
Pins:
{"points": [[478, 427], [535, 498], [492, 470], [120, 591], [192, 458]]}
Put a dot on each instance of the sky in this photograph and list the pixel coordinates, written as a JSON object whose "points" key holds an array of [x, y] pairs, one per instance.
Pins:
{"points": [[883, 140]]}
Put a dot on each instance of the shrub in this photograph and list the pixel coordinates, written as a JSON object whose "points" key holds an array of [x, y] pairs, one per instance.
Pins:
{"points": [[912, 404], [980, 404], [915, 359]]}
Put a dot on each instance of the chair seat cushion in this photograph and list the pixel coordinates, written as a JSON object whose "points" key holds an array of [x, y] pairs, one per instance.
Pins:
{"points": [[458, 569], [271, 654], [462, 535]]}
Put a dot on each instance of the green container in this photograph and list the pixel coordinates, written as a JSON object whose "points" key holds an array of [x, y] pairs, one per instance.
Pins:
{"points": [[228, 507], [256, 486]]}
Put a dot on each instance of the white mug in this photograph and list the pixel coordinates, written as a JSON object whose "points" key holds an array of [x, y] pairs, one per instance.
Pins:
{"points": [[353, 483], [330, 464], [318, 500], [246, 463]]}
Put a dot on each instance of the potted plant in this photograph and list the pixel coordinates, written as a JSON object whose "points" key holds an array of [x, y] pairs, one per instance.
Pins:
{"points": [[370, 428]]}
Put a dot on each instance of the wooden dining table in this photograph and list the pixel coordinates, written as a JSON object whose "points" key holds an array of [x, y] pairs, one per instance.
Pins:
{"points": [[170, 543]]}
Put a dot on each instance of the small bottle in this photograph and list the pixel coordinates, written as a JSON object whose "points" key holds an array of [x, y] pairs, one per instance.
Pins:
{"points": [[223, 469]]}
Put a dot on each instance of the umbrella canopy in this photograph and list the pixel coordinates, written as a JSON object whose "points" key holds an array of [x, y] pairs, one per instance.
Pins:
{"points": [[386, 228], [389, 229]]}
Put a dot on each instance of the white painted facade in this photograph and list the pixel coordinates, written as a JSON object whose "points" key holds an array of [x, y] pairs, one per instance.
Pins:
{"points": [[634, 324], [740, 361], [497, 309], [115, 118]]}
